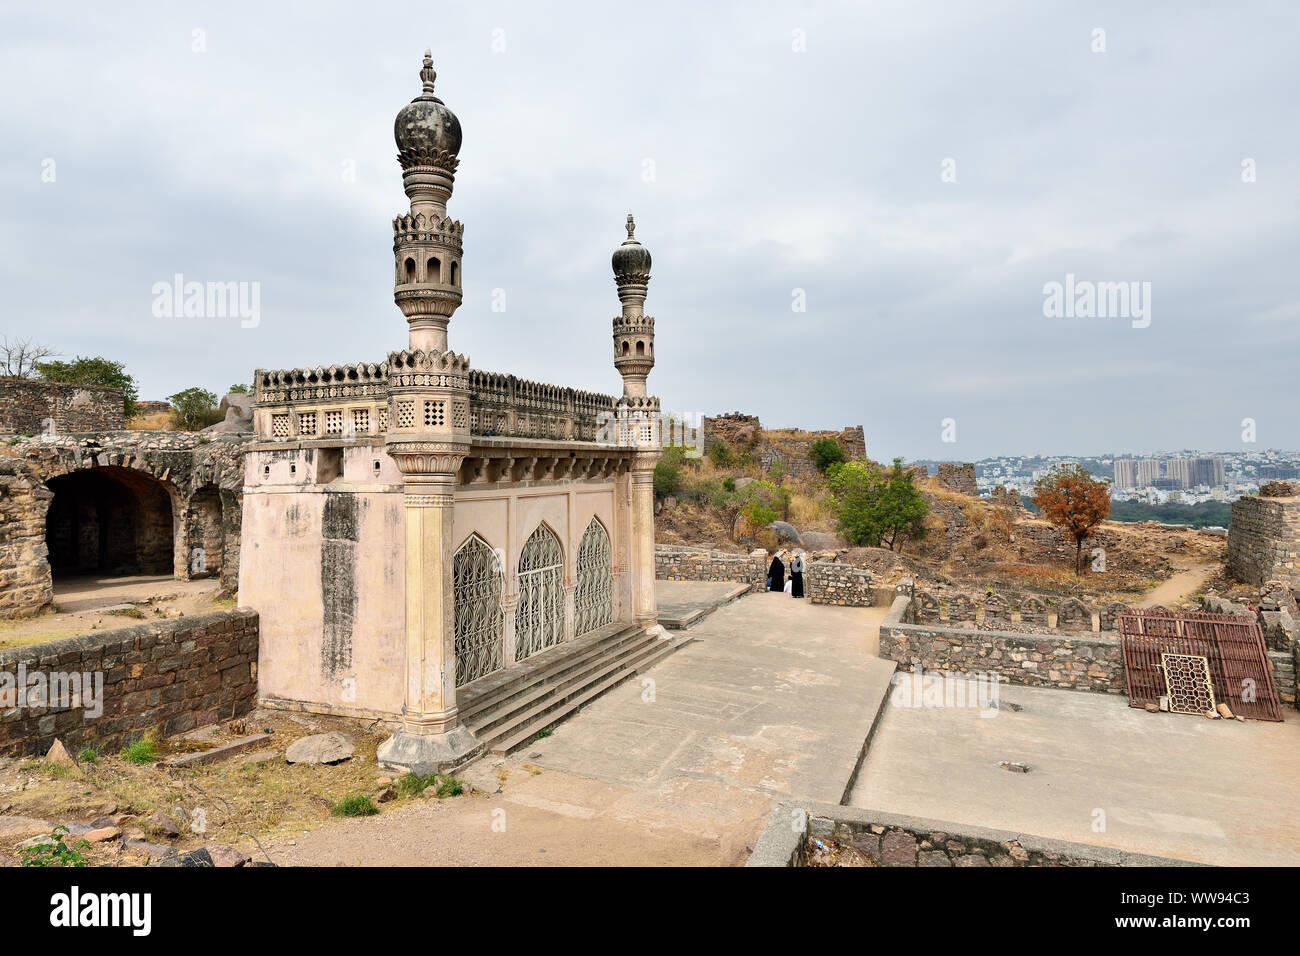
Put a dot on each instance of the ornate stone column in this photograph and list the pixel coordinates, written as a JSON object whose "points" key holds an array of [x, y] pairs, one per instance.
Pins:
{"points": [[428, 437], [645, 610], [638, 415], [428, 431]]}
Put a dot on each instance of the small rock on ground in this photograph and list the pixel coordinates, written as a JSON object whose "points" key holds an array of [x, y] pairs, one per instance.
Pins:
{"points": [[320, 748]]}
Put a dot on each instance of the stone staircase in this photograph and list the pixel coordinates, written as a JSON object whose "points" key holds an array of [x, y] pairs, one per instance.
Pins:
{"points": [[507, 709]]}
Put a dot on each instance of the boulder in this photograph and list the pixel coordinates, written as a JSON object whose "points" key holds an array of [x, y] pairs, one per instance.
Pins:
{"points": [[194, 858], [152, 851], [58, 754], [24, 828], [744, 482], [226, 856], [320, 748], [239, 415], [785, 533], [822, 541], [164, 825]]}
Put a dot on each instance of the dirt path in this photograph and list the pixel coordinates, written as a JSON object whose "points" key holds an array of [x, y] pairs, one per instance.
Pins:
{"points": [[1181, 586]]}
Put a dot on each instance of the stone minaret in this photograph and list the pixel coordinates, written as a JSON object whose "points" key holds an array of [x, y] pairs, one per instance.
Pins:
{"points": [[638, 413], [428, 429], [427, 242], [634, 331]]}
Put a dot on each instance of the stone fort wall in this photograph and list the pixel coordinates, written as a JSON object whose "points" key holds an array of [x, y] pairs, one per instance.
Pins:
{"points": [[26, 405], [790, 448]]}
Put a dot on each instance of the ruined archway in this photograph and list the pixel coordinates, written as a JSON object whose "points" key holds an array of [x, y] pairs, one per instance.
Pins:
{"points": [[205, 539], [109, 521]]}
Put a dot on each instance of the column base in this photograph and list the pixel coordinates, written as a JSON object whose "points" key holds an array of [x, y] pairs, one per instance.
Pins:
{"points": [[427, 753]]}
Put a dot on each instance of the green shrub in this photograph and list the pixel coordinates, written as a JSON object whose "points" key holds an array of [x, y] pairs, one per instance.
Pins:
{"points": [[356, 805], [668, 471], [444, 784], [55, 851], [728, 484], [144, 750], [826, 452], [721, 455], [195, 408], [89, 755]]}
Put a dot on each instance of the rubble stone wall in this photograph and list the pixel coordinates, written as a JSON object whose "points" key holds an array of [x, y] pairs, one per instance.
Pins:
{"points": [[1074, 662], [1264, 540], [793, 451], [160, 677], [693, 564], [26, 585], [26, 406], [806, 834]]}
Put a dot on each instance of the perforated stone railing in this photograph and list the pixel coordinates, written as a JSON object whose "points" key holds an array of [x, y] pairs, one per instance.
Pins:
{"points": [[291, 405]]}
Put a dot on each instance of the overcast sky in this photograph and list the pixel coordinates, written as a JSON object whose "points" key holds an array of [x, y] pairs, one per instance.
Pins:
{"points": [[764, 149]]}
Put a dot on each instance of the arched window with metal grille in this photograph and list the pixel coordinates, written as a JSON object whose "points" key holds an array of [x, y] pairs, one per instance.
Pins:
{"points": [[539, 615], [593, 601], [478, 587]]}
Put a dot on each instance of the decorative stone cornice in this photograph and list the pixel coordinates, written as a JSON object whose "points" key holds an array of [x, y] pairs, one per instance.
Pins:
{"points": [[418, 227]]}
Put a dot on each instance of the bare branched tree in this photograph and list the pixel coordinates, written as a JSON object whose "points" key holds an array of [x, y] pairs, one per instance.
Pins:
{"points": [[19, 357]]}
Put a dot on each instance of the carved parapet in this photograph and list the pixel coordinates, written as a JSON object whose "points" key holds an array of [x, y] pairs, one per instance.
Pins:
{"points": [[503, 405], [420, 368], [314, 384]]}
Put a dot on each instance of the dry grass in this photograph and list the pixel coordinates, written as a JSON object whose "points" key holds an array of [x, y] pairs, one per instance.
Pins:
{"points": [[150, 422], [228, 800]]}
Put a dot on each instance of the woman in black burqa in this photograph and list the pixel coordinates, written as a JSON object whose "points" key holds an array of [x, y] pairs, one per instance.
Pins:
{"points": [[796, 576], [776, 574]]}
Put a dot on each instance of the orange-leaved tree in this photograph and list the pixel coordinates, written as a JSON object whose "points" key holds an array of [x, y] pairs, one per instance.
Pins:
{"points": [[1074, 501]]}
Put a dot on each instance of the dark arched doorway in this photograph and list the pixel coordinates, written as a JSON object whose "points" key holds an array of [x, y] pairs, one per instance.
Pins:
{"points": [[109, 521]]}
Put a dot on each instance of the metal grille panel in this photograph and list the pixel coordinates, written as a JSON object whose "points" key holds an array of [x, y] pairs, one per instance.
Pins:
{"points": [[1240, 671], [1188, 678], [478, 586], [539, 616], [593, 600]]}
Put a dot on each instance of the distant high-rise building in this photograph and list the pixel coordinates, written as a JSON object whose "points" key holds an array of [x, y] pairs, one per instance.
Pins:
{"points": [[1125, 473], [1148, 470], [1193, 472]]}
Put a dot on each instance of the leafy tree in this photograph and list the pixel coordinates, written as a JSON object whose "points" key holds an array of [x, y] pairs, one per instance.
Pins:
{"points": [[826, 452], [240, 390], [94, 371], [1074, 501], [877, 507], [194, 406]]}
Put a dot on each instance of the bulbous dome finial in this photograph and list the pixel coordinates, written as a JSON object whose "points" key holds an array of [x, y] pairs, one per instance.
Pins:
{"points": [[428, 74], [631, 260], [427, 133]]}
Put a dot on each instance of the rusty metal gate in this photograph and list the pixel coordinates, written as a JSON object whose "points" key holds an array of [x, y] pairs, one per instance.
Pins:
{"points": [[1233, 644]]}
